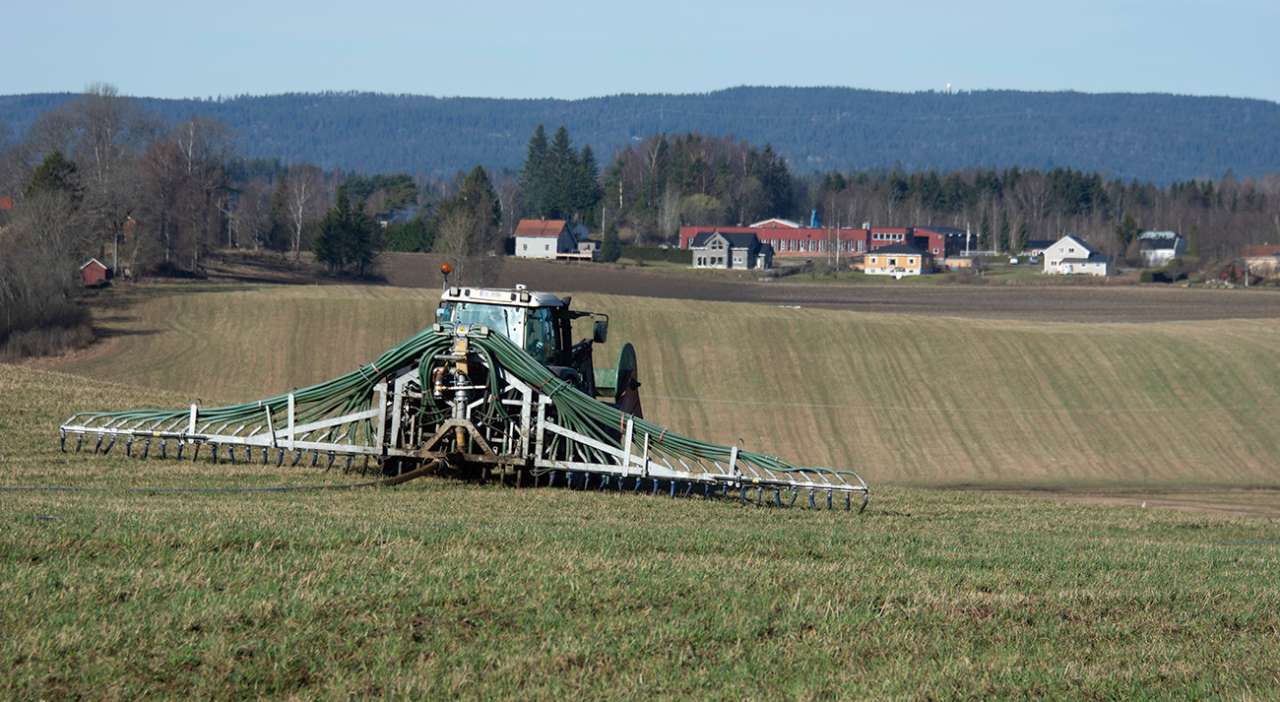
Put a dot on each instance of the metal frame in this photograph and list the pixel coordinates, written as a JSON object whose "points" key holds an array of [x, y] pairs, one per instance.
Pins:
{"points": [[527, 438]]}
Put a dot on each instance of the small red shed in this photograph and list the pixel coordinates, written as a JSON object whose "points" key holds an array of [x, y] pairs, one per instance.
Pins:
{"points": [[94, 273]]}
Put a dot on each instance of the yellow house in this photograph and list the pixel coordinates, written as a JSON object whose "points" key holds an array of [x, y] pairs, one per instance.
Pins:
{"points": [[897, 260]]}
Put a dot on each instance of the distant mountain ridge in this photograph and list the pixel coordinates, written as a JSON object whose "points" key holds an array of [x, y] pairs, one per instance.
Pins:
{"points": [[1155, 137]]}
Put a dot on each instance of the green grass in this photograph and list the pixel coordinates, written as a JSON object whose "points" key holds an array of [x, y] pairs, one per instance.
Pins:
{"points": [[439, 589]]}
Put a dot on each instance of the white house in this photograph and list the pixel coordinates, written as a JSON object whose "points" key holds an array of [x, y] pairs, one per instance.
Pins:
{"points": [[1158, 248], [1072, 256], [544, 238]]}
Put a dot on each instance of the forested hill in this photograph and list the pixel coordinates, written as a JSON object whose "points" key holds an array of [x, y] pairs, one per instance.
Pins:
{"points": [[1145, 136]]}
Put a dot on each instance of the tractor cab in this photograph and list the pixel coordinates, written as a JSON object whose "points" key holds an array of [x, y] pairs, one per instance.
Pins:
{"points": [[542, 325]]}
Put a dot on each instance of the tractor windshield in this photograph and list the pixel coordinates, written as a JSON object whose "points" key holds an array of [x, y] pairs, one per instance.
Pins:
{"points": [[504, 320]]}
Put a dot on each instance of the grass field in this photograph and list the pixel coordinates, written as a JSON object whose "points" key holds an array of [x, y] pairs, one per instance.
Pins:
{"points": [[418, 591], [440, 589], [900, 398]]}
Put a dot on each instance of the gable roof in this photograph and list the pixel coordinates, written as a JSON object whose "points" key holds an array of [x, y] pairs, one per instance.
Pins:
{"points": [[735, 239], [1161, 235], [1038, 244], [1081, 242], [540, 227], [776, 223], [94, 260], [898, 249]]}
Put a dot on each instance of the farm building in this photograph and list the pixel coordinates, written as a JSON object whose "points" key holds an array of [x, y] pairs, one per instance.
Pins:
{"points": [[733, 250], [1158, 248], [789, 240], [547, 238], [1262, 260], [94, 273], [897, 260], [1072, 256]]}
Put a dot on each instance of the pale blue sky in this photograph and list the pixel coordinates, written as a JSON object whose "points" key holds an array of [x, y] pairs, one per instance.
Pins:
{"points": [[563, 49]]}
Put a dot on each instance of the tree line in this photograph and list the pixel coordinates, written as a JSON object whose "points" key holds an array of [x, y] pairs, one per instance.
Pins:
{"points": [[1149, 137], [101, 176]]}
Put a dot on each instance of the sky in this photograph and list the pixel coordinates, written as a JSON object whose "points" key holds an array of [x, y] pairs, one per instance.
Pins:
{"points": [[552, 48]]}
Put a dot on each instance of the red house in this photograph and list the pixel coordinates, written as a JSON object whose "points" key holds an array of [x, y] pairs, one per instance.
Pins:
{"points": [[94, 273]]}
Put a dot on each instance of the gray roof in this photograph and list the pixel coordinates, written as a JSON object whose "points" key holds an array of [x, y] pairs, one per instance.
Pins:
{"points": [[1080, 241], [1038, 244], [1149, 235], [736, 240], [1092, 258], [897, 249]]}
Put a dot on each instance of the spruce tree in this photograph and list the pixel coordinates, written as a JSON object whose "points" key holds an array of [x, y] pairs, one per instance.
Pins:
{"points": [[1002, 240], [534, 175], [563, 173], [587, 193], [611, 249], [56, 174]]}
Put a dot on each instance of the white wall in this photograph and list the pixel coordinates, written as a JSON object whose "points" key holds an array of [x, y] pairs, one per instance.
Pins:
{"points": [[536, 247]]}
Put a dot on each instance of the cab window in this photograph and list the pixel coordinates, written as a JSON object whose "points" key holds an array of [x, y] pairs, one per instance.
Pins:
{"points": [[540, 334]]}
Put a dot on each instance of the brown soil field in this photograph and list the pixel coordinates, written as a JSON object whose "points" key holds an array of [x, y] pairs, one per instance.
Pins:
{"points": [[1062, 303], [1058, 301]]}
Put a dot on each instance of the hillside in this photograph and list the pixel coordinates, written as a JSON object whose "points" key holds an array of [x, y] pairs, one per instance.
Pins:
{"points": [[900, 398], [439, 590], [1146, 136]]}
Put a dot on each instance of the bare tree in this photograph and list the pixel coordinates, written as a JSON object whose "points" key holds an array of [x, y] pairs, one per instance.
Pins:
{"points": [[304, 183]]}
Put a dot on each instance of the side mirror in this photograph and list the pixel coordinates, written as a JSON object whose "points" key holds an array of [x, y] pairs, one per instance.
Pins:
{"points": [[600, 331]]}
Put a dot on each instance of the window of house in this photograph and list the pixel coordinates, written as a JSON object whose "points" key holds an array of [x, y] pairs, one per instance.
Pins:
{"points": [[893, 261], [526, 246]]}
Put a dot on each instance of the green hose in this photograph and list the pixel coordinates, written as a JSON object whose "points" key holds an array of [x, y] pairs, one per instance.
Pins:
{"points": [[574, 410]]}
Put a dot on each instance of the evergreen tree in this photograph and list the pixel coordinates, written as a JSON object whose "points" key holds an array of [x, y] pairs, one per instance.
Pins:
{"points": [[534, 175], [587, 193], [563, 174], [347, 237], [467, 223], [611, 248], [984, 229], [56, 174], [278, 232], [1126, 232], [1002, 236]]}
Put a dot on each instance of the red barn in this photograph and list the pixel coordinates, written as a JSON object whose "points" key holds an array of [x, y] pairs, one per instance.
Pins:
{"points": [[94, 273]]}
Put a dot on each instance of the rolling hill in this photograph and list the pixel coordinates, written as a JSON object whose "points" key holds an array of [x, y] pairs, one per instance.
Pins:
{"points": [[902, 398], [1154, 137]]}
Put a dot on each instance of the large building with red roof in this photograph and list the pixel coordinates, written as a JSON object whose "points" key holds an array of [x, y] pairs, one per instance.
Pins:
{"points": [[790, 240]]}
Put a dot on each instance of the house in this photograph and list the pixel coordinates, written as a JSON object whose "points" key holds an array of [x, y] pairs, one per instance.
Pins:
{"points": [[544, 238], [897, 260], [94, 273], [1262, 260], [1072, 256], [732, 250], [1158, 248], [1036, 247]]}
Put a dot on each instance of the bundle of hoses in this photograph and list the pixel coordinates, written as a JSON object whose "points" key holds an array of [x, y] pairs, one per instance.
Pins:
{"points": [[574, 410]]}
